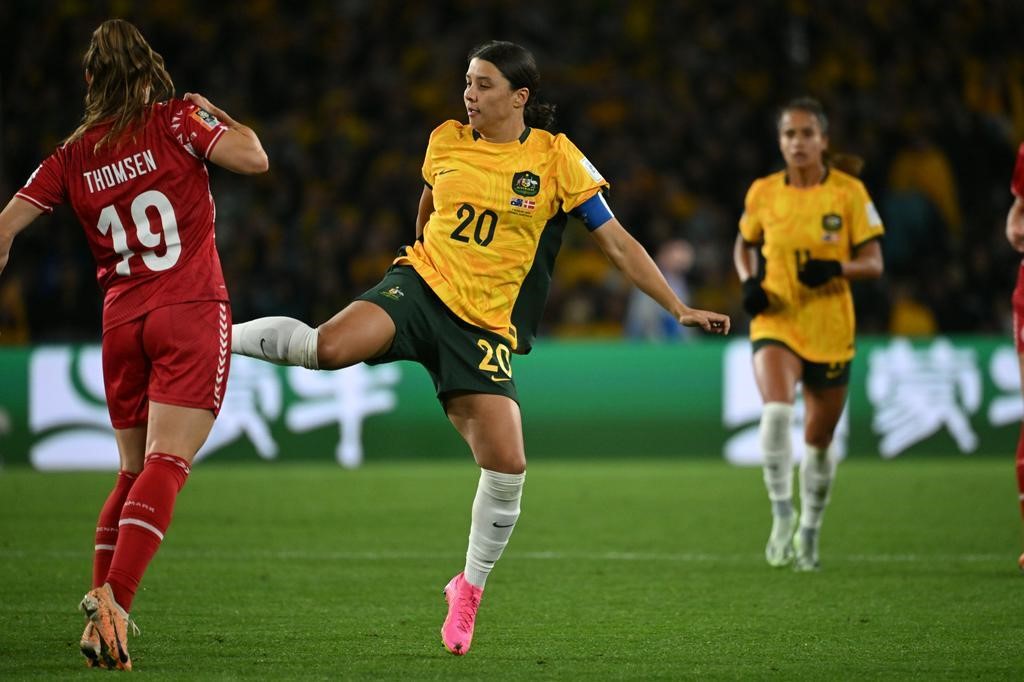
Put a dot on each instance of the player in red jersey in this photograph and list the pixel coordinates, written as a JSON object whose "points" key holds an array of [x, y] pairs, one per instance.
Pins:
{"points": [[134, 173], [1015, 235]]}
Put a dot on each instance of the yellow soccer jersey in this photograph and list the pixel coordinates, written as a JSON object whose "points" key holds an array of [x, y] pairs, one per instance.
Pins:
{"points": [[827, 221], [489, 247]]}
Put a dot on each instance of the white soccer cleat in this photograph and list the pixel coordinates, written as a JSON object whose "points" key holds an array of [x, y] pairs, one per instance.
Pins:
{"points": [[805, 544], [779, 550]]}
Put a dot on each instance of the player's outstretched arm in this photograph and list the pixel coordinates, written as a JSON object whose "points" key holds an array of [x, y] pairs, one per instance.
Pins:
{"points": [[239, 149], [634, 262], [15, 217], [1015, 225]]}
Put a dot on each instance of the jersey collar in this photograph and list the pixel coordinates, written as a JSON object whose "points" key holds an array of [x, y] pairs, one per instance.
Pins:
{"points": [[824, 177], [522, 138]]}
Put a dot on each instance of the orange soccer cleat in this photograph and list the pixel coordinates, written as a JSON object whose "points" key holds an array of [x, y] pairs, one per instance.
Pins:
{"points": [[110, 623], [90, 646]]}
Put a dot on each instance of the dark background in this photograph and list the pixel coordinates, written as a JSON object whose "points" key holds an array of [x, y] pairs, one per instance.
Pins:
{"points": [[673, 102]]}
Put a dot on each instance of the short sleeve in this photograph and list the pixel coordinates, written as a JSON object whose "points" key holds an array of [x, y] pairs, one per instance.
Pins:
{"points": [[428, 158], [578, 179], [197, 130], [45, 187], [866, 224], [751, 228]]}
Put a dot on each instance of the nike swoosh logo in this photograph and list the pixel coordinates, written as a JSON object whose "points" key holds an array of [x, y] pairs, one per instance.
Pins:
{"points": [[503, 525], [264, 352], [499, 379], [447, 170]]}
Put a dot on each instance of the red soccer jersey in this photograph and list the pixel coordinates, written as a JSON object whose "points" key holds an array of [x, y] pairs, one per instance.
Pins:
{"points": [[146, 208], [1017, 183]]}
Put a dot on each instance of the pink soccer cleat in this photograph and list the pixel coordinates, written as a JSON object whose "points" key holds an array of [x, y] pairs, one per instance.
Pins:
{"points": [[463, 601]]}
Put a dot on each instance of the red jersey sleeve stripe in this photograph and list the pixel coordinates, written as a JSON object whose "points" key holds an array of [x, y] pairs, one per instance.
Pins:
{"points": [[41, 206], [213, 142]]}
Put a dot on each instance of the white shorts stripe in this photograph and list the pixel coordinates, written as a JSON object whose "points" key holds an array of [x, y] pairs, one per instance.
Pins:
{"points": [[104, 548], [148, 526]]}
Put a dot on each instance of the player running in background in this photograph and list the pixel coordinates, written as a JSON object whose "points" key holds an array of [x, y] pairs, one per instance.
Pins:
{"points": [[1015, 235], [134, 172], [813, 227], [469, 292]]}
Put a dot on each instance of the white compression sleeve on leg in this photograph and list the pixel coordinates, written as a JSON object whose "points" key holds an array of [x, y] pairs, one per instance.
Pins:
{"points": [[817, 472], [777, 448], [280, 340], [495, 511]]}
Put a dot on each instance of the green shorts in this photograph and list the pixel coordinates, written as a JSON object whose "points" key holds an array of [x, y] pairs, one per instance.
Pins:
{"points": [[815, 374], [458, 356]]}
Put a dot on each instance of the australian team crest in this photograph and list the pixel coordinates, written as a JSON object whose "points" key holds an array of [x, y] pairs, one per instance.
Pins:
{"points": [[831, 223], [526, 184]]}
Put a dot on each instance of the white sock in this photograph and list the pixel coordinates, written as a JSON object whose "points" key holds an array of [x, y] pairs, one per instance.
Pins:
{"points": [[777, 449], [280, 340], [495, 510], [817, 471]]}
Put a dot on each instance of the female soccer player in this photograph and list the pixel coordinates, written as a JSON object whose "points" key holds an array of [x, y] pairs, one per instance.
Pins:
{"points": [[816, 228], [470, 290], [135, 174], [1015, 235]]}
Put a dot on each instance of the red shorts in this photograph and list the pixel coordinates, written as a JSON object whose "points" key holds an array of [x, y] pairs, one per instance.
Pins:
{"points": [[1018, 310], [177, 354]]}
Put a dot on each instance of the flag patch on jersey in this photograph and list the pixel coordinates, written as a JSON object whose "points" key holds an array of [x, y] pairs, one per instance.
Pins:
{"points": [[208, 120], [525, 183], [528, 204]]}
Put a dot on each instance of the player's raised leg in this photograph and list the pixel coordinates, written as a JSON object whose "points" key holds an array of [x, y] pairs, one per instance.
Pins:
{"points": [[492, 426], [359, 332], [777, 371]]}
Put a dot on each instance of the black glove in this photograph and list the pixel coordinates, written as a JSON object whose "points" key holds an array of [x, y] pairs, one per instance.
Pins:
{"points": [[816, 272], [755, 300]]}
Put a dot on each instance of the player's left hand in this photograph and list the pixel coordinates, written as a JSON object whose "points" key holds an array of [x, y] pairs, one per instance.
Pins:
{"points": [[712, 323], [816, 272]]}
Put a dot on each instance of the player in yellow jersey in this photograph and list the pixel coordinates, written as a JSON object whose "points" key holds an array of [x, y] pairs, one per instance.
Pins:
{"points": [[469, 292], [814, 228]]}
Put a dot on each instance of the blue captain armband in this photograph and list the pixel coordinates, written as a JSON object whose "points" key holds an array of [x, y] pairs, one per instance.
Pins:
{"points": [[594, 212]]}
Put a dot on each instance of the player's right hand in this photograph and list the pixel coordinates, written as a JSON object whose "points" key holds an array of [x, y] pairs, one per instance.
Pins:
{"points": [[755, 300]]}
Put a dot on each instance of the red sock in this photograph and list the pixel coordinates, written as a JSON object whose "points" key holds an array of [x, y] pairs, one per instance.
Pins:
{"points": [[1020, 469], [144, 520], [106, 527]]}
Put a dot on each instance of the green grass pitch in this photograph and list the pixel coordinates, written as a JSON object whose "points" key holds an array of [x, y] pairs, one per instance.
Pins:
{"points": [[635, 569]]}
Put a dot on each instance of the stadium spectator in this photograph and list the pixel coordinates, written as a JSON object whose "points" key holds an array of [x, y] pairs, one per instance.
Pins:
{"points": [[814, 228], [134, 172], [1015, 235], [470, 290]]}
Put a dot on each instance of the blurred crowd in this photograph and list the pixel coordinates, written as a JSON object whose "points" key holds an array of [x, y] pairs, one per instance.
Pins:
{"points": [[674, 102]]}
